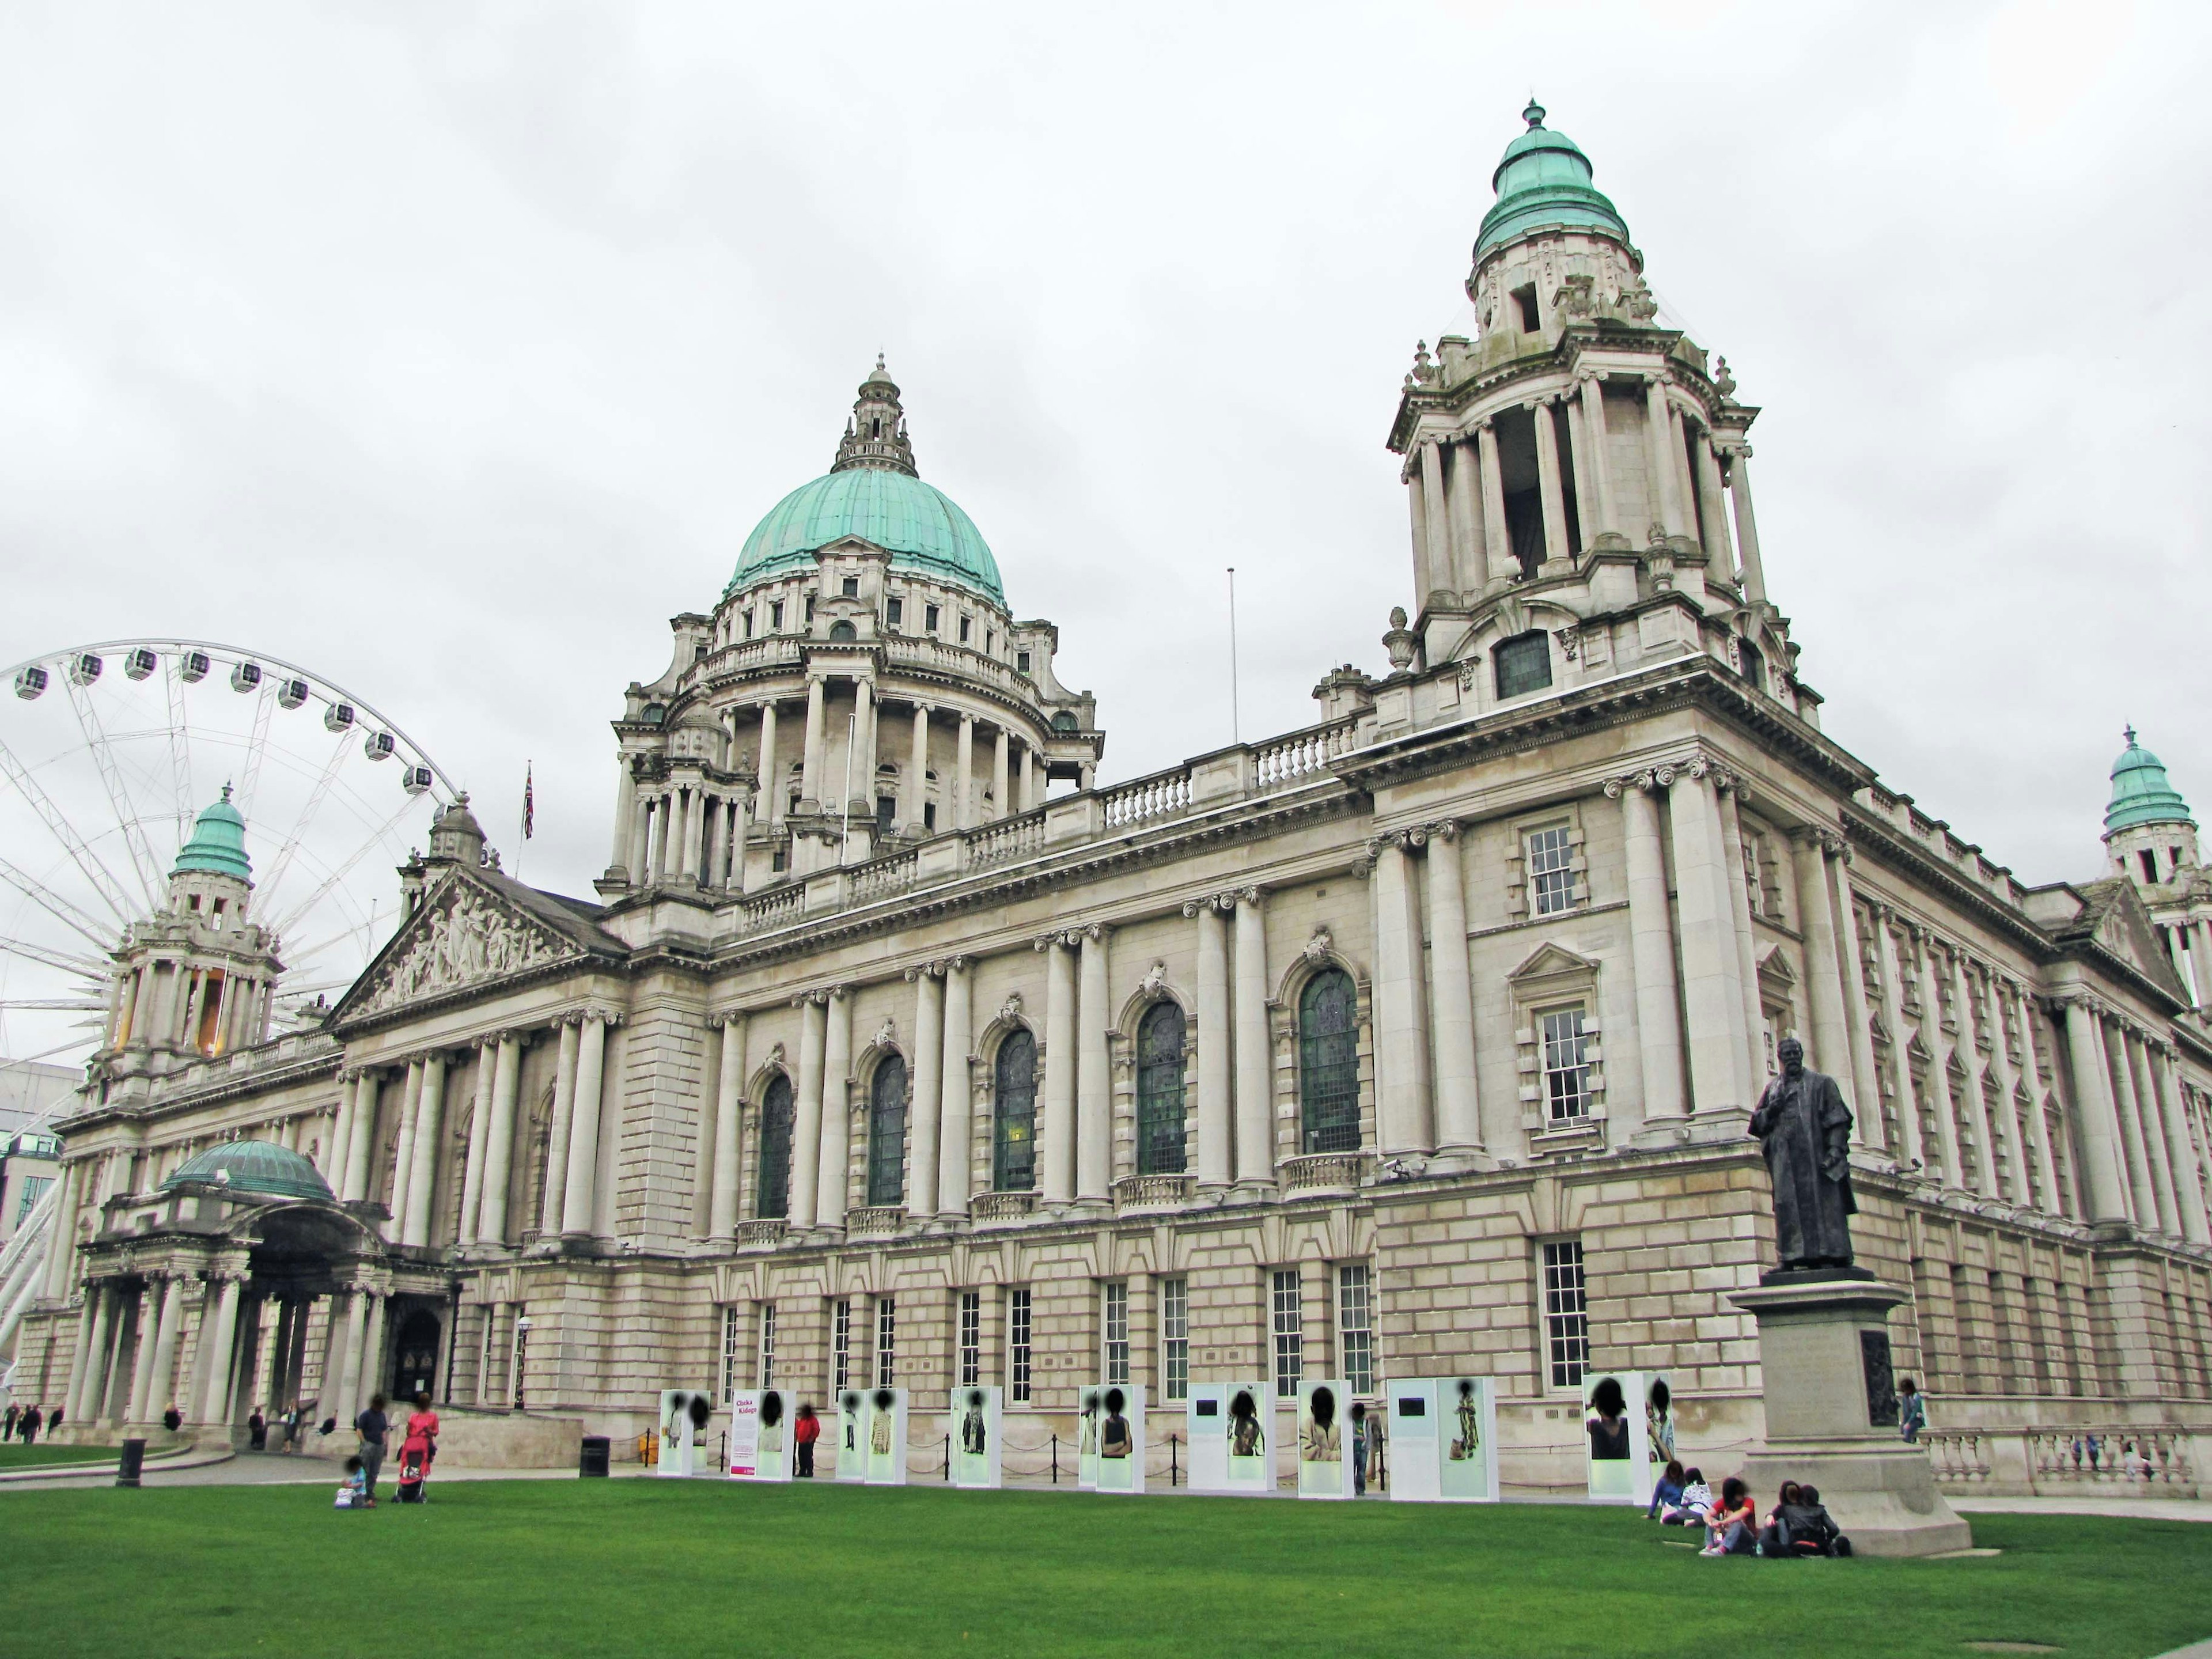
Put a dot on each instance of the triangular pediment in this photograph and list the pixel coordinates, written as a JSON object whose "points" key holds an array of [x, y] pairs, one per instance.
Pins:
{"points": [[464, 934], [1552, 959], [2126, 930], [1774, 967]]}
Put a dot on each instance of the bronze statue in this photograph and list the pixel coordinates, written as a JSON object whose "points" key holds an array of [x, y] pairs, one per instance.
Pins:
{"points": [[1805, 1132]]}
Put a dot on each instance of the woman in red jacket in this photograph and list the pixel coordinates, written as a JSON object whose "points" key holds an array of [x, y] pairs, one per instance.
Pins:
{"points": [[804, 1432]]}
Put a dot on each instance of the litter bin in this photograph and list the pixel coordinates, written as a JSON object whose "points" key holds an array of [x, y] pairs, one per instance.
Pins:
{"points": [[133, 1460], [594, 1460]]}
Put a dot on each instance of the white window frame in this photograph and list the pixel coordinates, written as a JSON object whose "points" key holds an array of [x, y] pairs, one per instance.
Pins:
{"points": [[971, 1338], [1566, 1312], [841, 1344], [1020, 1354], [886, 1341], [1113, 1332], [1355, 1325], [1286, 1312], [768, 1345], [1565, 1043], [1175, 1339], [1549, 851], [731, 1316]]}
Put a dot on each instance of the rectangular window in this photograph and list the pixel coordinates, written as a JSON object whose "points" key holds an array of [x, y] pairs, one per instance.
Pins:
{"points": [[841, 1346], [1754, 889], [1114, 1360], [732, 1323], [886, 814], [971, 1338], [1022, 662], [768, 1345], [886, 1342], [518, 1353], [35, 1189], [487, 1356], [776, 616], [966, 623], [929, 617], [749, 623], [929, 815], [990, 643], [1018, 1346], [894, 610], [1290, 1336], [1566, 1313], [1550, 869], [1566, 1071], [810, 608], [1355, 1325], [850, 587], [1523, 663], [1175, 1338]]}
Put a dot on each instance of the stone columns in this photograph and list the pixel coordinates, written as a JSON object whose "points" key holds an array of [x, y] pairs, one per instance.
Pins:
{"points": [[663, 809], [963, 804], [1712, 998], [1498, 539], [579, 1195], [2180, 1152], [1910, 1151], [2020, 1191], [345, 1356], [157, 1348], [729, 1099], [625, 809], [832, 1194], [2112, 1037], [1463, 507], [765, 769], [2031, 1027], [811, 763], [1057, 1141], [916, 792], [553, 1201], [864, 742], [692, 804], [222, 1346], [1403, 1119], [1437, 516], [1739, 876], [61, 1237], [714, 875], [1977, 1111], [2103, 1197], [2200, 953], [1094, 1083], [640, 841], [1451, 999], [1716, 521], [1548, 489], [421, 1184], [1418, 506], [403, 1160], [955, 1163], [371, 1375], [923, 1173], [1941, 1106], [1255, 1065], [1816, 920], [806, 1119], [1867, 1126], [1598, 515], [1658, 427], [499, 1149], [2154, 1163], [1747, 525], [331, 1166], [1030, 779], [1213, 1038], [1651, 948], [1002, 802], [479, 1133], [88, 1376]]}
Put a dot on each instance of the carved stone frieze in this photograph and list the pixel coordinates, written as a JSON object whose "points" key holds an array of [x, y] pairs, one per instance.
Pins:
{"points": [[463, 936]]}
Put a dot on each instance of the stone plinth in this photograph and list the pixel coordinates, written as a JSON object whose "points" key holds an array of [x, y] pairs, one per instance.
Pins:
{"points": [[1824, 1352]]}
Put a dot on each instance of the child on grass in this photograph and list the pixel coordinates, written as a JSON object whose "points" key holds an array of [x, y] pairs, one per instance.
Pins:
{"points": [[353, 1491]]}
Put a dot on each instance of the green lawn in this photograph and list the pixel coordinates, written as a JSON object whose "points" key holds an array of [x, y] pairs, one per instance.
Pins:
{"points": [[650, 1567], [15, 1454]]}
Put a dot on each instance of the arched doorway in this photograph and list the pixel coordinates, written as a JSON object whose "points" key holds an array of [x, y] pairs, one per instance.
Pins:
{"points": [[415, 1369]]}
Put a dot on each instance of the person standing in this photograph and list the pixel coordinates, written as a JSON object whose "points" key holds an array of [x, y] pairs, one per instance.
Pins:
{"points": [[1359, 1451], [32, 1419], [1911, 1412], [804, 1434], [257, 1432], [374, 1429], [14, 1411]]}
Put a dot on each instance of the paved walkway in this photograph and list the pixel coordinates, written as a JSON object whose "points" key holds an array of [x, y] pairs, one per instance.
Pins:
{"points": [[2139, 1509]]}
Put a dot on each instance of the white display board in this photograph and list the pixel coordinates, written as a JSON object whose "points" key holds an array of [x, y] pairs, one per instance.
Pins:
{"points": [[761, 1428], [1620, 1429], [1089, 1411], [1324, 1459], [680, 1423], [885, 1446], [1121, 1437], [852, 1443], [1230, 1433], [971, 1424], [1443, 1438]]}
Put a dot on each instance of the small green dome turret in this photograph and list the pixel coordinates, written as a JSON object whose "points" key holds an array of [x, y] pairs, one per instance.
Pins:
{"points": [[252, 1167], [1543, 182], [2141, 794], [218, 842]]}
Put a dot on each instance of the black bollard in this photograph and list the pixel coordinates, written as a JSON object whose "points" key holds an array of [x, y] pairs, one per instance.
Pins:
{"points": [[593, 1460], [132, 1460]]}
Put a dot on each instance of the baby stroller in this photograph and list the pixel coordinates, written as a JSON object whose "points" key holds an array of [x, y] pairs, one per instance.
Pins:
{"points": [[414, 1471]]}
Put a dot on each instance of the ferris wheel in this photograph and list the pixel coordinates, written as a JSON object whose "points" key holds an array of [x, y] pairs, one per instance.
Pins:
{"points": [[107, 754]]}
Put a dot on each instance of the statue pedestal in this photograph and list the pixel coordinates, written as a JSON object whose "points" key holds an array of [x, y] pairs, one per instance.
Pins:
{"points": [[1823, 1351]]}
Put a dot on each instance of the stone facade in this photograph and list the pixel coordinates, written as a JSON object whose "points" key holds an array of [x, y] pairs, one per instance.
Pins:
{"points": [[1470, 987]]}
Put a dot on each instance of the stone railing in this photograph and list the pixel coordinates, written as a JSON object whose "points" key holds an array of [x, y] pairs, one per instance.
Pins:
{"points": [[877, 1221], [1163, 795], [1136, 1194], [878, 877], [1302, 754], [777, 907], [1960, 1459], [1004, 840], [761, 1235], [1311, 1173], [2140, 1460], [998, 1209]]}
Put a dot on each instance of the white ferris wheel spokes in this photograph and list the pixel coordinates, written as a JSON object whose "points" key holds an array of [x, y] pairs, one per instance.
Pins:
{"points": [[110, 751]]}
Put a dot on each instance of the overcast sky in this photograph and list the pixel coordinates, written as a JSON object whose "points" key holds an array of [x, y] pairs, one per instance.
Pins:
{"points": [[449, 349]]}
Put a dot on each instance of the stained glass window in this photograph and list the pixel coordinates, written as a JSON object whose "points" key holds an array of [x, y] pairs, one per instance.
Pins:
{"points": [[774, 1197], [1013, 1118], [1160, 1116], [887, 1132], [1328, 1062]]}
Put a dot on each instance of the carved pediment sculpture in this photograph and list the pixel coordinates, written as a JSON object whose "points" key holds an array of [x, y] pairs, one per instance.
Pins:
{"points": [[462, 936]]}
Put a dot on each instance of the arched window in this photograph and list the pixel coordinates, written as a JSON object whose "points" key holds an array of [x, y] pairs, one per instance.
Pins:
{"points": [[1522, 663], [774, 1193], [1013, 1115], [1065, 721], [841, 633], [1159, 1091], [887, 1132], [1328, 1062], [1755, 664]]}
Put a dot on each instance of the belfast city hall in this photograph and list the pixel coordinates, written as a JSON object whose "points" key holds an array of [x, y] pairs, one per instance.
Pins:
{"points": [[894, 1047]]}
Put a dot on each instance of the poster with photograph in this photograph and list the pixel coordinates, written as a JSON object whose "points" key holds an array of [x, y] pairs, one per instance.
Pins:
{"points": [[760, 1434], [972, 1425], [1229, 1434], [1614, 1430], [1324, 1460], [1121, 1437], [1658, 1431], [852, 1453], [1465, 1439], [684, 1413], [886, 1437], [1090, 1409]]}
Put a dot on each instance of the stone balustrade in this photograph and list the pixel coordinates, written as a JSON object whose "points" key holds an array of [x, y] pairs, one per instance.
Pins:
{"points": [[998, 1209], [761, 1235], [2133, 1460], [1318, 1174], [1141, 1194], [876, 1221]]}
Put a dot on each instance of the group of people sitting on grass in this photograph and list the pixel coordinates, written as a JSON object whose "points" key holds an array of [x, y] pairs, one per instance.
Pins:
{"points": [[1798, 1525]]}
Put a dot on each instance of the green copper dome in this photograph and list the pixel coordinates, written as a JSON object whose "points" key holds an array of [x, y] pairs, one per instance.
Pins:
{"points": [[922, 528], [1543, 183], [251, 1166], [2141, 794], [218, 842]]}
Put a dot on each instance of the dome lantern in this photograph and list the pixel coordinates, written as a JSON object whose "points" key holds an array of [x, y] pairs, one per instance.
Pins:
{"points": [[218, 844], [2141, 794], [1543, 183]]}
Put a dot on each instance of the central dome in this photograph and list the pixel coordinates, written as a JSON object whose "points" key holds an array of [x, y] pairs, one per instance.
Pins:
{"points": [[251, 1166], [922, 529], [1543, 181]]}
